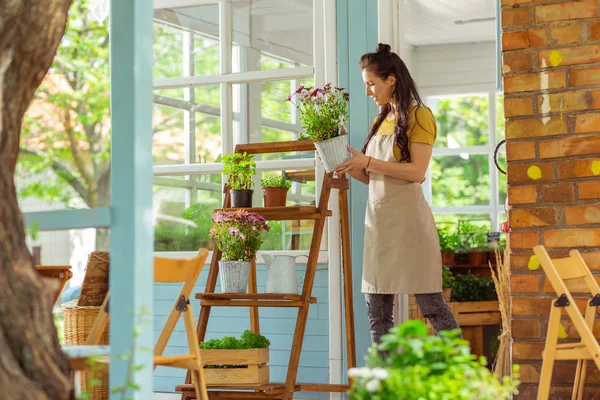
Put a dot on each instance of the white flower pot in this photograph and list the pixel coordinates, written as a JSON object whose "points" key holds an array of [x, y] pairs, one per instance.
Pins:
{"points": [[234, 276], [333, 151]]}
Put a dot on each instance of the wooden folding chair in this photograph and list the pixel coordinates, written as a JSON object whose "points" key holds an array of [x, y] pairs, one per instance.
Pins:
{"points": [[167, 270], [59, 274], [566, 274]]}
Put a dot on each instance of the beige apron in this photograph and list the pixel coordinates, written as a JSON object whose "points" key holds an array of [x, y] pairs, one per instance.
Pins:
{"points": [[402, 249]]}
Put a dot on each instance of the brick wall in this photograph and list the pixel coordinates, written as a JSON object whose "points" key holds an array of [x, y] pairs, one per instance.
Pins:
{"points": [[551, 68]]}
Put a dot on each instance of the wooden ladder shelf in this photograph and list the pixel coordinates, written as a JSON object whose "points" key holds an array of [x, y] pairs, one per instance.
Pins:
{"points": [[254, 300]]}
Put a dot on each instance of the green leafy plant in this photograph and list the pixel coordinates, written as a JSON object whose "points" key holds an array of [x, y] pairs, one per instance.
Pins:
{"points": [[175, 236], [472, 237], [322, 110], [238, 234], [448, 241], [420, 367], [448, 279], [248, 340], [471, 287], [239, 168], [275, 182]]}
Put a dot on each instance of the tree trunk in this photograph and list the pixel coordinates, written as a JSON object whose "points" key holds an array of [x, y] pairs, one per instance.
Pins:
{"points": [[32, 365]]}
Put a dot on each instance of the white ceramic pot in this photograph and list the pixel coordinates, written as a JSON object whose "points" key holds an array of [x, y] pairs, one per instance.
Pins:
{"points": [[234, 276], [281, 274], [333, 151]]}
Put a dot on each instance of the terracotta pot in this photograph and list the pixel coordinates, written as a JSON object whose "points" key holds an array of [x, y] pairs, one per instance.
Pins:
{"points": [[275, 197], [448, 258], [477, 258], [241, 198]]}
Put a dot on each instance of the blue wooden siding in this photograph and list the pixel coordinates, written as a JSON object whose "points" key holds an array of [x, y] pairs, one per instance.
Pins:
{"points": [[277, 324]]}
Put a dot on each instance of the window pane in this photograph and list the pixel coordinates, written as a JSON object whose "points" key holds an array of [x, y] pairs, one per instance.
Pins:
{"points": [[208, 138], [168, 141], [196, 28], [178, 204], [281, 31], [272, 100], [461, 120], [500, 120], [461, 180], [501, 179]]}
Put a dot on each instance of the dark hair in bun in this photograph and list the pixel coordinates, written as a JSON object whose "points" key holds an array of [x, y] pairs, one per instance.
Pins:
{"points": [[383, 48], [383, 63]]}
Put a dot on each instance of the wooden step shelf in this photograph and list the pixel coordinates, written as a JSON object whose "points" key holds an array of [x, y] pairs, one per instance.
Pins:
{"points": [[288, 213], [252, 300]]}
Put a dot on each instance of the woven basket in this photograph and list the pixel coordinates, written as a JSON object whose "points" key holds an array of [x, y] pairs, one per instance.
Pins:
{"points": [[78, 324]]}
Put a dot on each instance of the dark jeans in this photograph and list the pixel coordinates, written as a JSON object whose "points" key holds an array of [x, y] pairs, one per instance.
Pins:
{"points": [[380, 308]]}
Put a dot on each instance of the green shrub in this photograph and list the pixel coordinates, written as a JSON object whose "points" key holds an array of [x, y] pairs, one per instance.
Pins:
{"points": [[471, 287], [448, 241], [421, 367], [275, 182]]}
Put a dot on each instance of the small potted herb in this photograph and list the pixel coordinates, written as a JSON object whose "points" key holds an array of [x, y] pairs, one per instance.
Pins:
{"points": [[479, 247], [275, 189], [240, 168], [448, 245], [324, 112], [238, 236]]}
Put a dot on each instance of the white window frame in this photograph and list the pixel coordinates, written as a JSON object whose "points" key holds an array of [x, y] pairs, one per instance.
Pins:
{"points": [[324, 69]]}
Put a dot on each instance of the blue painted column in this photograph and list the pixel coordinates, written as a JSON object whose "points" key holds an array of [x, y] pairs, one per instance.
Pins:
{"points": [[356, 35], [131, 244]]}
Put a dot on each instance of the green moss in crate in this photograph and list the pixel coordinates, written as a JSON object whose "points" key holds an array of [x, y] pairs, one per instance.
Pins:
{"points": [[248, 340], [471, 287]]}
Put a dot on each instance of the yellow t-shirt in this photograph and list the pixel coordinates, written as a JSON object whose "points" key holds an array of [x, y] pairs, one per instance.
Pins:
{"points": [[425, 131]]}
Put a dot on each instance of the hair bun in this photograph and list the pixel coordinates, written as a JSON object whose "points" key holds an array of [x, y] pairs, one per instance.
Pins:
{"points": [[383, 48]]}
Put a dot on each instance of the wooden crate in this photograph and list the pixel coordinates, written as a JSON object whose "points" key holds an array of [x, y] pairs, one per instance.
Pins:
{"points": [[256, 371]]}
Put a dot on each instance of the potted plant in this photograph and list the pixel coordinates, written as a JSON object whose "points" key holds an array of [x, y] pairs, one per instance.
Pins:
{"points": [[237, 235], [275, 189], [479, 247], [448, 245], [410, 365], [324, 112], [240, 168], [447, 283], [248, 355]]}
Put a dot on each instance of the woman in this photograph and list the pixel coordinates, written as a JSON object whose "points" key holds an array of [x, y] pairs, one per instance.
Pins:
{"points": [[402, 250]]}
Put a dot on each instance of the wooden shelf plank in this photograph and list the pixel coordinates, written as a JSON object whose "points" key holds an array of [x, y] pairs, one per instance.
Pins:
{"points": [[283, 213], [269, 389], [252, 300], [275, 147], [249, 296]]}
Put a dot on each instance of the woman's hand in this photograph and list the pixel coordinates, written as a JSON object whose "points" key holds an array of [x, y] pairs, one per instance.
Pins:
{"points": [[358, 162]]}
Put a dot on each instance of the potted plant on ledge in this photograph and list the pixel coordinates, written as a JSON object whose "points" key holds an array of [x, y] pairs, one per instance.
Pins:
{"points": [[240, 168], [324, 112], [448, 246], [237, 235], [275, 189]]}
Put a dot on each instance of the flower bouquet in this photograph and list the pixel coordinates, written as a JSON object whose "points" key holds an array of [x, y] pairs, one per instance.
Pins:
{"points": [[238, 236], [324, 113]]}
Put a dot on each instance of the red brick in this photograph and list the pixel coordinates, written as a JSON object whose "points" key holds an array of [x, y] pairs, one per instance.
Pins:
{"points": [[522, 194], [535, 127], [572, 334], [516, 62], [573, 101], [562, 374], [559, 193], [515, 40], [523, 239], [575, 286], [533, 82], [592, 259], [585, 76], [527, 351], [529, 217], [525, 329], [520, 151], [527, 173], [583, 214], [520, 261], [566, 11], [595, 31], [518, 106], [525, 283], [565, 34], [589, 189], [571, 55], [578, 168], [516, 17], [569, 238], [531, 306], [588, 122], [570, 146]]}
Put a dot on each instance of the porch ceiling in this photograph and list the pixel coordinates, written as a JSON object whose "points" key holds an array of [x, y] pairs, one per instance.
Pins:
{"points": [[431, 22]]}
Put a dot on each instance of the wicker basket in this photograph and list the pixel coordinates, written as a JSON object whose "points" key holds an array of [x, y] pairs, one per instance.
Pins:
{"points": [[78, 324]]}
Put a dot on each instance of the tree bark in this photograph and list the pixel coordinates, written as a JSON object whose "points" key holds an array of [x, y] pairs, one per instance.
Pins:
{"points": [[32, 365]]}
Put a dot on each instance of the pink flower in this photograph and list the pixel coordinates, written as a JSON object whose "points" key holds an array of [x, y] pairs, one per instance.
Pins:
{"points": [[242, 236], [233, 231], [289, 98], [301, 88]]}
